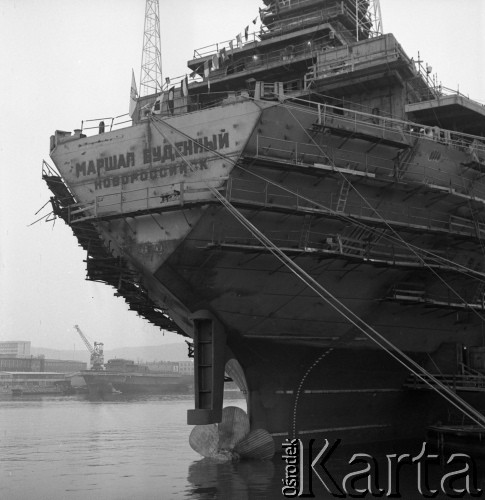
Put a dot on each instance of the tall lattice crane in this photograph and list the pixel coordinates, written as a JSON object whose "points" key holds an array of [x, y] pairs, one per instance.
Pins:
{"points": [[368, 18], [151, 58], [97, 356]]}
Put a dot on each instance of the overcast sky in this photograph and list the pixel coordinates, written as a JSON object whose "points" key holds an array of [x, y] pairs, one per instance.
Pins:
{"points": [[63, 61]]}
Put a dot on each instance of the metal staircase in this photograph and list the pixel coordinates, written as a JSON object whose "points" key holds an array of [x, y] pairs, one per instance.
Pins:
{"points": [[343, 196], [305, 231], [405, 159], [359, 240]]}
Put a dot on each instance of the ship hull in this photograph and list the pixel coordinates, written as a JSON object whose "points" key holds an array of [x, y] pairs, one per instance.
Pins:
{"points": [[191, 254], [380, 240], [355, 395], [41, 391], [104, 383]]}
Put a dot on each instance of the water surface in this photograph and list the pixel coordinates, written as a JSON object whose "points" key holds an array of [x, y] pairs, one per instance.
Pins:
{"points": [[73, 448]]}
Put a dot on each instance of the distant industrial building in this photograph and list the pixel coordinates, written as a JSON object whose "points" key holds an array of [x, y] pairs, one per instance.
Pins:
{"points": [[40, 364], [15, 357], [13, 364], [186, 367], [64, 366], [15, 349], [30, 380], [21, 372], [182, 367]]}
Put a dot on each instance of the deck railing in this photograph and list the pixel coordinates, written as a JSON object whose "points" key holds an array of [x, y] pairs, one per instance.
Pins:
{"points": [[215, 48], [335, 245], [354, 163], [383, 126], [106, 124], [268, 195], [456, 382], [124, 202]]}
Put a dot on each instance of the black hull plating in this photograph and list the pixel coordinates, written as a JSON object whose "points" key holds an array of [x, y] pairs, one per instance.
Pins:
{"points": [[358, 396]]}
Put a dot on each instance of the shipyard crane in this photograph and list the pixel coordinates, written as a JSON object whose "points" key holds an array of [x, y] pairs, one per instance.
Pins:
{"points": [[151, 59], [97, 356], [368, 18]]}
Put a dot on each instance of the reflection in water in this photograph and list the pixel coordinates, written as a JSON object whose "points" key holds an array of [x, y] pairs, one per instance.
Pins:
{"points": [[231, 438], [70, 448], [242, 480]]}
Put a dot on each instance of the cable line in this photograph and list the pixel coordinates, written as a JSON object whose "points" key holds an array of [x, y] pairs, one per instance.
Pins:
{"points": [[333, 302]]}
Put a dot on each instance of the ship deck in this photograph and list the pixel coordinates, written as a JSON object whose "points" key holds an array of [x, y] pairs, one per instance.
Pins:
{"points": [[456, 111]]}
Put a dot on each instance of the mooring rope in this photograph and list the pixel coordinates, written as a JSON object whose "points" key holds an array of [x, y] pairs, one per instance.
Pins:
{"points": [[396, 234], [459, 268], [333, 302]]}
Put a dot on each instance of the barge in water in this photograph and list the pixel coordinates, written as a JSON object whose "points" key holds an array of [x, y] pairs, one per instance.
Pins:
{"points": [[128, 377]]}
